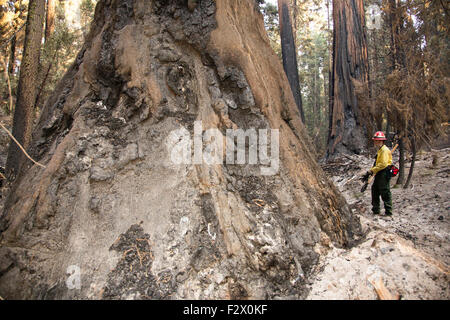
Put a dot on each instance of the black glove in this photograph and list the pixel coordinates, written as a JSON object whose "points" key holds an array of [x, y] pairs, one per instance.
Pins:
{"points": [[366, 176]]}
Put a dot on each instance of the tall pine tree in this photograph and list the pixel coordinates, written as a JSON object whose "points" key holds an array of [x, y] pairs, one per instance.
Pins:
{"points": [[26, 90]]}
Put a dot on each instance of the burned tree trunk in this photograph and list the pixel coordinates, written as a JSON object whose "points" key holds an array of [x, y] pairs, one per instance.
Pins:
{"points": [[12, 57], [126, 215], [289, 53], [350, 71], [397, 57], [401, 172], [413, 161]]}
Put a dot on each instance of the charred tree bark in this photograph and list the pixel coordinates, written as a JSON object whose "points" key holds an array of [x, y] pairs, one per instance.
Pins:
{"points": [[401, 162], [396, 17], [347, 133], [112, 200], [12, 57], [413, 161], [26, 89], [373, 85], [397, 64], [289, 53], [393, 34]]}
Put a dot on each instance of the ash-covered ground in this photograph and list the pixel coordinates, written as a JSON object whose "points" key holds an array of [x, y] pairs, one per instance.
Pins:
{"points": [[408, 253]]}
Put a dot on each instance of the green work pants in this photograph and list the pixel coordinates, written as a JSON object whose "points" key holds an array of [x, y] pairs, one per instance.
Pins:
{"points": [[381, 187]]}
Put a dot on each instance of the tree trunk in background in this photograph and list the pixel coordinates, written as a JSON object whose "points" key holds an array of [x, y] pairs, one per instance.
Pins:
{"points": [[114, 204], [50, 19], [393, 33], [413, 161], [375, 75], [12, 57], [44, 70], [396, 18], [401, 162], [347, 133], [26, 89], [389, 137], [330, 72], [289, 53], [397, 64]]}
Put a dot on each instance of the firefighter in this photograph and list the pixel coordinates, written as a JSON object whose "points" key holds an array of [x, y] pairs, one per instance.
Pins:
{"points": [[381, 184]]}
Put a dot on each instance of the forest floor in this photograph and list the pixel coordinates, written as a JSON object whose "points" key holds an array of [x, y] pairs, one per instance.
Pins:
{"points": [[406, 256]]}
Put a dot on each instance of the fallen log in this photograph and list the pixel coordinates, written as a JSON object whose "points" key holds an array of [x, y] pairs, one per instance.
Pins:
{"points": [[382, 292]]}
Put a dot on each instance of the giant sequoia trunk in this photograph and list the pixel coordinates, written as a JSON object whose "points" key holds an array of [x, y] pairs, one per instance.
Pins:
{"points": [[114, 210], [349, 79]]}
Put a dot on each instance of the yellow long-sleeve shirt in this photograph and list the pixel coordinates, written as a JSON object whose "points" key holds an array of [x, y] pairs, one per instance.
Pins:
{"points": [[384, 158]]}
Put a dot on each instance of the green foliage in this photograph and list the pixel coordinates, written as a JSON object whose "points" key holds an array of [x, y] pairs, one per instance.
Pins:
{"points": [[57, 53], [60, 50], [87, 9], [313, 70], [270, 13], [313, 47], [314, 44]]}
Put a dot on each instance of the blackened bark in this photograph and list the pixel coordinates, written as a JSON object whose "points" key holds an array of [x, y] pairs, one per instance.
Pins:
{"points": [[26, 90], [395, 24], [12, 57], [413, 161], [289, 54], [401, 163], [347, 133], [391, 8]]}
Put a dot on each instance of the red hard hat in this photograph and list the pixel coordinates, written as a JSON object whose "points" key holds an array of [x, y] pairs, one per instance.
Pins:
{"points": [[379, 135]]}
